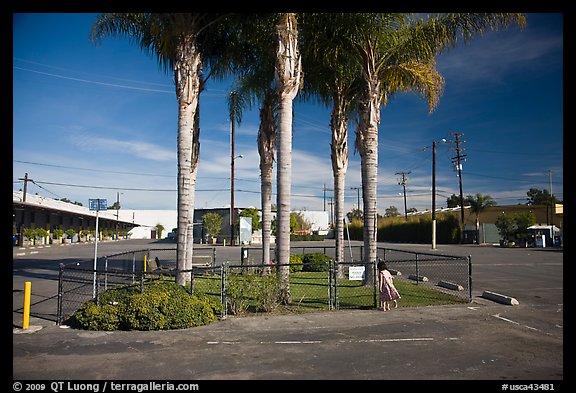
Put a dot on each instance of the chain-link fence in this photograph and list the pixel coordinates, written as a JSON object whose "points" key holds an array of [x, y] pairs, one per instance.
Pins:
{"points": [[250, 287], [85, 280]]}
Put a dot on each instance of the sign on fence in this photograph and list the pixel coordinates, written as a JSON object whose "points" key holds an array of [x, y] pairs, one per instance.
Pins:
{"points": [[356, 273]]}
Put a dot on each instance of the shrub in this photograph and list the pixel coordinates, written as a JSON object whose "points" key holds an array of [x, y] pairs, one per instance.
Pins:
{"points": [[162, 306], [41, 232], [97, 317], [252, 290], [30, 233], [268, 292], [316, 262], [239, 291], [295, 263]]}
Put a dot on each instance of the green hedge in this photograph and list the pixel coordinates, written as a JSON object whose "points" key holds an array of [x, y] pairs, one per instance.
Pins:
{"points": [[162, 306], [312, 237], [315, 262], [415, 230]]}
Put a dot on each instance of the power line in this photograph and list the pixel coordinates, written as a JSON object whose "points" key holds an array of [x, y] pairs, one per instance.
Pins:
{"points": [[92, 169], [95, 82]]}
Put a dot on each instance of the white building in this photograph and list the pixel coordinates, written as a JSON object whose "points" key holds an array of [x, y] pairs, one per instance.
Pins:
{"points": [[148, 221]]}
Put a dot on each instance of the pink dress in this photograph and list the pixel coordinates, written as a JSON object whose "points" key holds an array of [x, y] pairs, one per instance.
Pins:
{"points": [[388, 291]]}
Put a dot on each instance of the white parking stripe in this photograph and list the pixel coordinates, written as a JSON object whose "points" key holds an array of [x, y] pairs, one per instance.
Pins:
{"points": [[342, 341], [511, 321]]}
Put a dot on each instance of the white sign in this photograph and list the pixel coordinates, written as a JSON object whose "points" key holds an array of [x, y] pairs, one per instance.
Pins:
{"points": [[356, 273]]}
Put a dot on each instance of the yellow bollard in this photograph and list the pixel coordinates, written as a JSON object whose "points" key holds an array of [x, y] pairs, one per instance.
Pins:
{"points": [[144, 263], [27, 291]]}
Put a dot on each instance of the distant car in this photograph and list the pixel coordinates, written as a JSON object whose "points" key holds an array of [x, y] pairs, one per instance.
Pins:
{"points": [[172, 236]]}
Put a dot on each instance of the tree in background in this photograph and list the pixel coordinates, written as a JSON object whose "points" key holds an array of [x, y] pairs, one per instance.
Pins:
{"points": [[454, 201], [355, 214], [514, 225], [540, 197], [298, 222], [523, 221], [252, 212], [212, 223], [392, 211], [479, 203], [159, 230]]}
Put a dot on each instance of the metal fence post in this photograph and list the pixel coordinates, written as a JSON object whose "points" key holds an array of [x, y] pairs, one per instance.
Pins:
{"points": [[192, 281], [59, 312], [105, 273], [97, 287], [469, 278], [223, 278], [133, 266], [375, 283], [417, 271], [330, 294], [336, 301]]}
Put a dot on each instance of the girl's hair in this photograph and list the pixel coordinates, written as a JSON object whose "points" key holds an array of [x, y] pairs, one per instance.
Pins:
{"points": [[382, 265]]}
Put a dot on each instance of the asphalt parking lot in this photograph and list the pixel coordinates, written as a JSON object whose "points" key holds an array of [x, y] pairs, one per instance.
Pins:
{"points": [[483, 340]]}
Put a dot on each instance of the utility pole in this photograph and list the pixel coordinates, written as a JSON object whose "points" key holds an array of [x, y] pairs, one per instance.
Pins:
{"points": [[324, 190], [331, 203], [358, 191], [21, 227], [459, 158], [434, 143], [402, 182]]}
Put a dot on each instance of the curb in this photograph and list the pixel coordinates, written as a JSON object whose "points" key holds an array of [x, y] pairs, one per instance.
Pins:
{"points": [[500, 298]]}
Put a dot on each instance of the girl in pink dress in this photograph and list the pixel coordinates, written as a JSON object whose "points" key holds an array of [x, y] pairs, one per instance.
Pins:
{"points": [[388, 292]]}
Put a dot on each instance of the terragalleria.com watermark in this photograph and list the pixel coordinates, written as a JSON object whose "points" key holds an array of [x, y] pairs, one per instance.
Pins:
{"points": [[98, 387]]}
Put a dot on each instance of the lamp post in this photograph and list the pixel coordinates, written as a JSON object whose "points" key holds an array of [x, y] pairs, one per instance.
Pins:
{"points": [[232, 234], [434, 195], [117, 211]]}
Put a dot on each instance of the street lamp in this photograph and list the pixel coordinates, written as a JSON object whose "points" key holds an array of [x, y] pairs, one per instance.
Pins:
{"points": [[117, 210], [232, 195]]}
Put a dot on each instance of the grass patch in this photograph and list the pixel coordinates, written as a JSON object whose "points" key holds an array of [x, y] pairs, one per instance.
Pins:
{"points": [[310, 293]]}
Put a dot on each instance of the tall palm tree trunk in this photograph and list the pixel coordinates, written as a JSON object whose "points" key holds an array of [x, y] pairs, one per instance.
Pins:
{"points": [[187, 80], [288, 69], [266, 138], [367, 144], [339, 148]]}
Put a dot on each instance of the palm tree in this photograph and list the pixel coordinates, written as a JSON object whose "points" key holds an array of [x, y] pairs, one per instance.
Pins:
{"points": [[174, 39], [333, 80], [248, 91], [396, 53], [266, 143], [288, 75], [386, 64], [479, 203], [255, 65]]}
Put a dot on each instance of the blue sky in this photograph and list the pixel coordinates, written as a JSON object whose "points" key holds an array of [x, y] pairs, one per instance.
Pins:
{"points": [[100, 121]]}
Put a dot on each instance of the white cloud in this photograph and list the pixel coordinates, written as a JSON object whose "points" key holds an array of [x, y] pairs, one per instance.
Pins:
{"points": [[139, 149]]}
